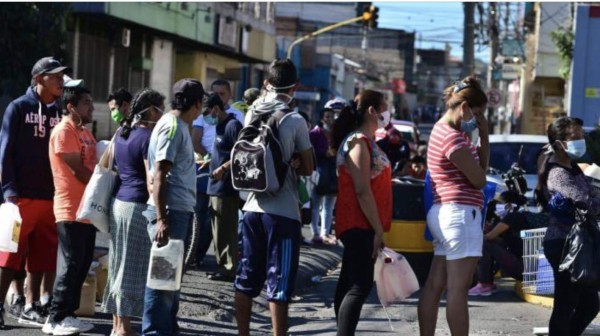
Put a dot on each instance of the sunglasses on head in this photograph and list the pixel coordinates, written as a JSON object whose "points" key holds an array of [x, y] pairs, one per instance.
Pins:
{"points": [[460, 85]]}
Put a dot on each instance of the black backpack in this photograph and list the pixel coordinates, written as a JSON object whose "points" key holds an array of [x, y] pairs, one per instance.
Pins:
{"points": [[257, 162]]}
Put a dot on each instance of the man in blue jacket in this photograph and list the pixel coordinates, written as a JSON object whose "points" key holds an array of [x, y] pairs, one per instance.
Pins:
{"points": [[27, 181]]}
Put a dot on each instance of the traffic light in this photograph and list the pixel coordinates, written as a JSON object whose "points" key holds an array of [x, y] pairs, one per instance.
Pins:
{"points": [[362, 9], [374, 16]]}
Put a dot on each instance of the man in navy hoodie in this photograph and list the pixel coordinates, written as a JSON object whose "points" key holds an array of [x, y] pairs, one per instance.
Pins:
{"points": [[27, 181]]}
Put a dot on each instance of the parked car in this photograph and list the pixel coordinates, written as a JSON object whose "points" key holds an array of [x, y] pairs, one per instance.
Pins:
{"points": [[504, 152], [408, 129]]}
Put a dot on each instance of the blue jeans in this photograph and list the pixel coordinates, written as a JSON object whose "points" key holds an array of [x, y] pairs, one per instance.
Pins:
{"points": [[203, 216], [161, 307], [325, 213]]}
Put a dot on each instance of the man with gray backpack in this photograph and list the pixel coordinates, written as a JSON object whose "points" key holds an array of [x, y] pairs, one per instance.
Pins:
{"points": [[271, 237]]}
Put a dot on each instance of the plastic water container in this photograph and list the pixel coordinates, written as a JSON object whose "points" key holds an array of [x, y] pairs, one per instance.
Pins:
{"points": [[166, 266], [10, 227]]}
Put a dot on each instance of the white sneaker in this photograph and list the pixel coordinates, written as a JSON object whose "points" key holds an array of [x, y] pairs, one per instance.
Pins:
{"points": [[68, 326], [49, 327], [82, 325]]}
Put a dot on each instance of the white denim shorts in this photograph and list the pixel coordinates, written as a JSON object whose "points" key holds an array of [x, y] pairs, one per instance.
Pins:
{"points": [[456, 230]]}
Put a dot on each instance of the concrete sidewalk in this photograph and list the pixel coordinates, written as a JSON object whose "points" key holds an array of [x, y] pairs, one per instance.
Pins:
{"points": [[207, 307]]}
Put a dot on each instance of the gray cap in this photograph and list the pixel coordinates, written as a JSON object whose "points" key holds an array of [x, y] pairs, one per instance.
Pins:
{"points": [[48, 65], [189, 88]]}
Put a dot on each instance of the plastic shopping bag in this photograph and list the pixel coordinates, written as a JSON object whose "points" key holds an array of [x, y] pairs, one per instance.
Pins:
{"points": [[96, 199], [10, 227], [311, 181], [394, 277]]}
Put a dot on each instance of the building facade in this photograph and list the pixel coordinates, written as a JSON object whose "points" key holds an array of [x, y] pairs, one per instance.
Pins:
{"points": [[136, 45]]}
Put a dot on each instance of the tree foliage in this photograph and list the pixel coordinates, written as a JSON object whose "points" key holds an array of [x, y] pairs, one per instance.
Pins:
{"points": [[28, 32], [563, 39]]}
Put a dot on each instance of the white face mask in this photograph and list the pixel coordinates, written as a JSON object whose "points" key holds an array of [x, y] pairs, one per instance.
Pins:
{"points": [[575, 148], [383, 119], [272, 94]]}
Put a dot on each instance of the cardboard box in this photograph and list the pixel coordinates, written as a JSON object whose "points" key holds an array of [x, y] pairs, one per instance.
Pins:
{"points": [[101, 279], [87, 304]]}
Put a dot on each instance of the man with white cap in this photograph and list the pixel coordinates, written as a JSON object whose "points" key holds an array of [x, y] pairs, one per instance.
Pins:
{"points": [[70, 82], [336, 104], [325, 192]]}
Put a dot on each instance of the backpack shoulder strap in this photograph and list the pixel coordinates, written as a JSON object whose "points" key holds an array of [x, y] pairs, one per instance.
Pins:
{"points": [[276, 118]]}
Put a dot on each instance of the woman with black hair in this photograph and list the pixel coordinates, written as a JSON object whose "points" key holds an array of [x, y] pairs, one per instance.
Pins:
{"points": [[365, 201], [575, 305], [130, 245]]}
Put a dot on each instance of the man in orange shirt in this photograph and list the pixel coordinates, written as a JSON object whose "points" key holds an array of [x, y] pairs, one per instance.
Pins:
{"points": [[72, 158]]}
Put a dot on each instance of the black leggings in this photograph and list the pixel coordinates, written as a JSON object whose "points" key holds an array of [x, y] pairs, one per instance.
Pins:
{"points": [[356, 279], [575, 306]]}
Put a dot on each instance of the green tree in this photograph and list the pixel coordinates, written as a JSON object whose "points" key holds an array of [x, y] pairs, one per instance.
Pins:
{"points": [[28, 32], [563, 39]]}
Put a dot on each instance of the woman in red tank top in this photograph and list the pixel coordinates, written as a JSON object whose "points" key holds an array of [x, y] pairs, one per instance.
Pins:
{"points": [[364, 203]]}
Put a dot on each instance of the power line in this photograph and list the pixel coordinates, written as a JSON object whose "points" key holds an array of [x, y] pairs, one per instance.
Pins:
{"points": [[551, 17]]}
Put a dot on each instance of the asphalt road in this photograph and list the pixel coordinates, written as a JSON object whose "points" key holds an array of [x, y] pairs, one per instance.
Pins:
{"points": [[207, 307]]}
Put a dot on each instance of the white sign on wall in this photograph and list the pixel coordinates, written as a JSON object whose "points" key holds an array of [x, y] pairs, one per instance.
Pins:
{"points": [[511, 71]]}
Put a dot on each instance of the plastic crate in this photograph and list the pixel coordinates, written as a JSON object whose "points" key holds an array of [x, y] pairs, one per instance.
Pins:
{"points": [[537, 273]]}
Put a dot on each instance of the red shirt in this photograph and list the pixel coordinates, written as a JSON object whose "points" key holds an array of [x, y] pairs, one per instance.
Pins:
{"points": [[449, 184], [348, 214]]}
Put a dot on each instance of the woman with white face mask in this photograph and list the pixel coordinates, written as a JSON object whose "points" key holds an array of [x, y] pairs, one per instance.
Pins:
{"points": [[457, 170], [364, 202], [130, 245], [575, 305]]}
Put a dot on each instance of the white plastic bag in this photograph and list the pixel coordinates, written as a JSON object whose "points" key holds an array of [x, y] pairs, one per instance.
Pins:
{"points": [[166, 266], [394, 277], [311, 181], [96, 199], [10, 227]]}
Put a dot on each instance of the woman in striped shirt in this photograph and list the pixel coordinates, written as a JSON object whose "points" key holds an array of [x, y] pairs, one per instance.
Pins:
{"points": [[457, 171]]}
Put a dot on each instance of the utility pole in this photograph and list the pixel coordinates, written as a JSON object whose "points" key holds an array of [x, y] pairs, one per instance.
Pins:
{"points": [[469, 39], [506, 20], [493, 41], [364, 46]]}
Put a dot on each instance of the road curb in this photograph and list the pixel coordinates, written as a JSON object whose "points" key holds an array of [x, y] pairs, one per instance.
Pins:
{"points": [[543, 301]]}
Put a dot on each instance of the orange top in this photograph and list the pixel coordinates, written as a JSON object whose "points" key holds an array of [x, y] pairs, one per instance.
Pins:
{"points": [[67, 138], [348, 213]]}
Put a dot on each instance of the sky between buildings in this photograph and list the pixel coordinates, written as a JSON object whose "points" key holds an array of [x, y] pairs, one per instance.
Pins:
{"points": [[434, 22]]}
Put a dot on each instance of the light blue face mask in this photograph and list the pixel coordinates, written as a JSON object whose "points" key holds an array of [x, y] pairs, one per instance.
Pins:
{"points": [[210, 120], [575, 148], [468, 126]]}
